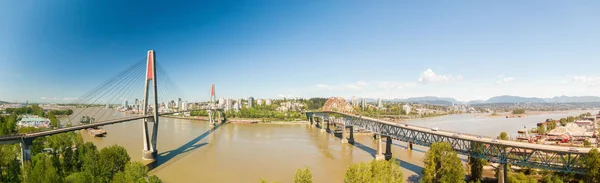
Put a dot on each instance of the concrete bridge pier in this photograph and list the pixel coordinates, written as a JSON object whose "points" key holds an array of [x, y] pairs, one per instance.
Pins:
{"points": [[26, 145], [388, 148], [322, 124], [379, 149], [311, 120], [410, 146], [328, 129], [344, 139], [351, 139], [502, 174]]}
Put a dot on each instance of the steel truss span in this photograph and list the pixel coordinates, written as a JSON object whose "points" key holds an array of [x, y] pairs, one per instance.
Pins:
{"points": [[556, 158]]}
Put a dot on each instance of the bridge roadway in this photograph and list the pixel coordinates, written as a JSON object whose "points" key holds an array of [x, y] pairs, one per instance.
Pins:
{"points": [[19, 137], [550, 157]]}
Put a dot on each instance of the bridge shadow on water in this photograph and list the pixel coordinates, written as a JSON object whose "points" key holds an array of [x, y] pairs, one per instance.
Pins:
{"points": [[166, 158]]}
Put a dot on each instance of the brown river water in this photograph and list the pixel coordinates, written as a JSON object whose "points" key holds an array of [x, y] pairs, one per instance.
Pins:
{"points": [[192, 151]]}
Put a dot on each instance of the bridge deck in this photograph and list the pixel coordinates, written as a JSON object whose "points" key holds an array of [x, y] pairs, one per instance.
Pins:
{"points": [[500, 151]]}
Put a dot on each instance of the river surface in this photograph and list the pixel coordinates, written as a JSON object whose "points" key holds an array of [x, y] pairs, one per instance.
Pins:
{"points": [[192, 151]]}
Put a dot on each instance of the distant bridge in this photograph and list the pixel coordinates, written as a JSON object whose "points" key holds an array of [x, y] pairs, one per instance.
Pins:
{"points": [[556, 158]]}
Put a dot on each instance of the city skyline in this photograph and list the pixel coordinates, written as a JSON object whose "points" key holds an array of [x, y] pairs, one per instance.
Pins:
{"points": [[468, 51]]}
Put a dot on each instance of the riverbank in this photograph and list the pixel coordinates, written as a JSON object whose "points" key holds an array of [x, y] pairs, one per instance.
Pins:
{"points": [[240, 121]]}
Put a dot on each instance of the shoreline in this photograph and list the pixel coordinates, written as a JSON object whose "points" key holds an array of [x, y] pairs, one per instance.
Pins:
{"points": [[242, 121]]}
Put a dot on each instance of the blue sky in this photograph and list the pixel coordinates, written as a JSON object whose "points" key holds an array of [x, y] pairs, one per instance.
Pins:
{"points": [[389, 49]]}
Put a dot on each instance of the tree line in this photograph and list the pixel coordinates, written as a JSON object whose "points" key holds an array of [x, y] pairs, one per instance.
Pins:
{"points": [[64, 157], [367, 172]]}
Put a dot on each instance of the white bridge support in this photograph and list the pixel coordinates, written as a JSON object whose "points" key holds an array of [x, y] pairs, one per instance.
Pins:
{"points": [[149, 152], [215, 116]]}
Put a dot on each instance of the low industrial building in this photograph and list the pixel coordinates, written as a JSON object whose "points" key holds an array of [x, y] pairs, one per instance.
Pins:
{"points": [[34, 121]]}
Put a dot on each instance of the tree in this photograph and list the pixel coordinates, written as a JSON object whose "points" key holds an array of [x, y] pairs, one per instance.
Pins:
{"points": [[374, 171], [476, 164], [79, 177], [358, 173], [503, 136], [587, 143], [541, 129], [593, 166], [563, 121], [266, 181], [552, 179], [42, 170], [134, 172], [518, 111], [113, 159], [10, 166], [551, 125], [442, 165], [520, 178], [303, 176]]}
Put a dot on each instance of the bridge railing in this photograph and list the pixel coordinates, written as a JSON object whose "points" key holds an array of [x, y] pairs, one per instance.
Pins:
{"points": [[516, 153]]}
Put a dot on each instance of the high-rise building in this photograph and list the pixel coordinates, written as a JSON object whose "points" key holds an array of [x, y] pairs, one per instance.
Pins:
{"points": [[221, 103], [363, 105], [354, 101], [184, 106], [124, 104], [259, 102], [268, 102], [238, 105], [379, 103], [250, 102], [179, 103]]}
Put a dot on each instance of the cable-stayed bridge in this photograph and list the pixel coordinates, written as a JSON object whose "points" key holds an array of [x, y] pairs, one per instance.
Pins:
{"points": [[153, 97], [157, 94]]}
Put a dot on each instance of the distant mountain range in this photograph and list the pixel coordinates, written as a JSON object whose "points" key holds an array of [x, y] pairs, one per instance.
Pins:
{"points": [[497, 99], [2, 102]]}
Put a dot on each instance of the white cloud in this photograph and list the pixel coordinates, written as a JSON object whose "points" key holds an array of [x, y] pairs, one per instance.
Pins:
{"points": [[324, 86], [591, 81], [43, 98], [428, 76], [505, 80], [357, 86], [70, 98]]}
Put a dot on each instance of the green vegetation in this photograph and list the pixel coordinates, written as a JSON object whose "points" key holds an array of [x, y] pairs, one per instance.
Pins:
{"points": [[33, 110], [269, 112], [264, 112], [68, 158], [370, 172], [518, 111], [593, 166], [303, 176], [520, 178], [503, 136], [586, 143], [551, 125], [476, 164], [442, 165], [541, 129], [374, 171]]}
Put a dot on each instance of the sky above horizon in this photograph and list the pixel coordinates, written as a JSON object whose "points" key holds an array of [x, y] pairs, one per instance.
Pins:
{"points": [[469, 50]]}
